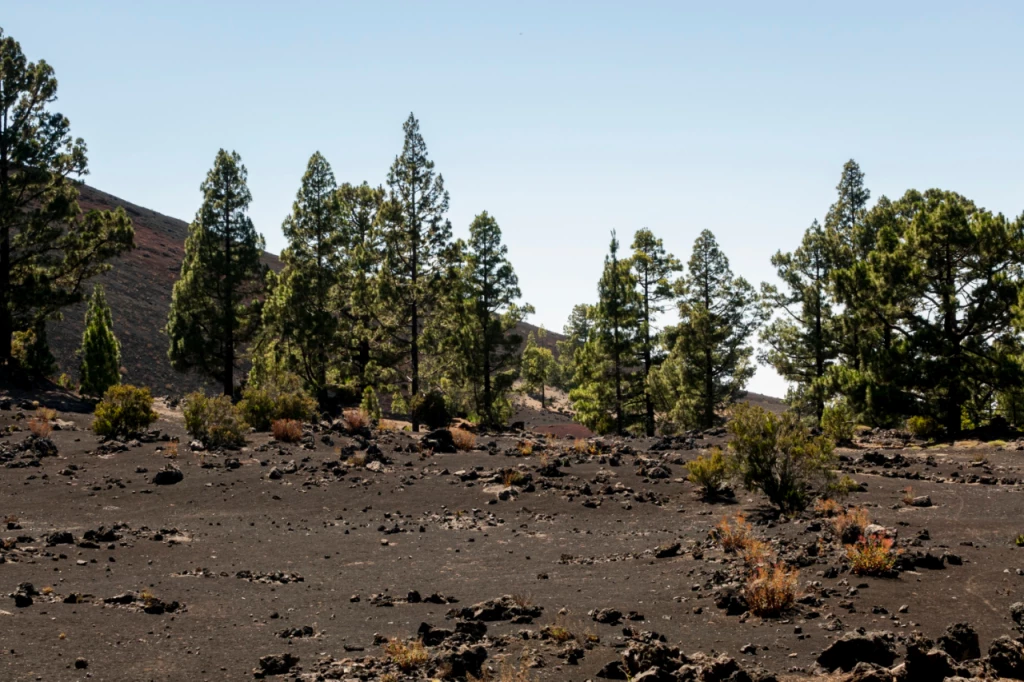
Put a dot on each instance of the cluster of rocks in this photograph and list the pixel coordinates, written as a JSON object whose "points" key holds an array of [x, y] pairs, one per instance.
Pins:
{"points": [[956, 655]]}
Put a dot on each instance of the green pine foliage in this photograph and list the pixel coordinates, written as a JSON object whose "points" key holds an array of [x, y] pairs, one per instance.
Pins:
{"points": [[100, 366], [370, 405], [214, 306], [654, 269], [709, 362], [492, 315], [608, 380], [302, 310], [49, 247], [802, 343], [420, 261], [538, 366]]}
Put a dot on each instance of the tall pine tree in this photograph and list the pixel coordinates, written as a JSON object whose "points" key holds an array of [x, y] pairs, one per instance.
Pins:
{"points": [[214, 306], [709, 363], [100, 366], [303, 308], [801, 344], [608, 370], [654, 269], [419, 260], [492, 290], [49, 248]]}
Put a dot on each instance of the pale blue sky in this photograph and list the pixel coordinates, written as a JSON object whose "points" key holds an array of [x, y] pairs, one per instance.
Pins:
{"points": [[564, 120]]}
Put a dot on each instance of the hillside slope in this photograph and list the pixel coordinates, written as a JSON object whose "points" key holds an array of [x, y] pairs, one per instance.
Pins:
{"points": [[139, 292]]}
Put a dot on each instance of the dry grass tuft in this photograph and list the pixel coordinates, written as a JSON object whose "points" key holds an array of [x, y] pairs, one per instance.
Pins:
{"points": [[355, 420], [407, 656], [827, 507], [734, 535], [854, 517], [40, 428], [286, 430], [771, 590], [511, 477], [46, 413], [464, 440], [525, 448], [873, 555], [908, 496], [393, 425], [758, 553]]}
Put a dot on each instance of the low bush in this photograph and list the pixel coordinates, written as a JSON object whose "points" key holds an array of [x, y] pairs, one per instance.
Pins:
{"points": [[838, 422], [123, 412], [464, 440], [923, 427], [827, 507], [771, 590], [278, 396], [709, 472], [758, 553], [286, 430], [873, 555], [778, 456], [214, 421], [430, 410]]}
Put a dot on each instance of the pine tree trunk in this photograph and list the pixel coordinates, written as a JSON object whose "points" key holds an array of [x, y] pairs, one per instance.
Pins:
{"points": [[648, 401], [6, 216], [229, 314]]}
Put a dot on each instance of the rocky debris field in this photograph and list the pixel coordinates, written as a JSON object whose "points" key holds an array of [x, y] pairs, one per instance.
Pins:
{"points": [[395, 556]]}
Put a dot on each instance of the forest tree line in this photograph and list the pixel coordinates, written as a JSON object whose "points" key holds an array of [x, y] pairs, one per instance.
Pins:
{"points": [[901, 309]]}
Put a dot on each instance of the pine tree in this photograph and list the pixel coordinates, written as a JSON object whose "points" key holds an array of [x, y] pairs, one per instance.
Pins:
{"points": [[492, 290], [653, 268], [577, 330], [214, 309], [419, 260], [303, 310], [709, 363], [962, 268], [100, 366], [612, 356], [801, 344], [49, 248], [370, 356], [538, 365]]}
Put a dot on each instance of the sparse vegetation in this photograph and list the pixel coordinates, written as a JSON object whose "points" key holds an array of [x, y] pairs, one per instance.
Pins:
{"points": [[356, 420], [733, 535], [286, 430], [778, 456], [771, 590], [710, 472], [40, 428], [277, 395], [511, 477], [922, 427], [873, 555], [214, 421], [464, 440], [408, 656], [838, 422], [123, 412]]}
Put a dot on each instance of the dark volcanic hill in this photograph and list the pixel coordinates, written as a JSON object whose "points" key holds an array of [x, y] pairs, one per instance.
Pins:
{"points": [[139, 292]]}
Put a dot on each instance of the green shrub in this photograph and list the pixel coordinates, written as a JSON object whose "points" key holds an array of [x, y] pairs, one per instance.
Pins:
{"points": [[710, 472], [277, 396], [214, 421], [838, 422], [124, 411], [370, 404], [398, 404], [922, 427], [778, 456], [430, 410]]}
